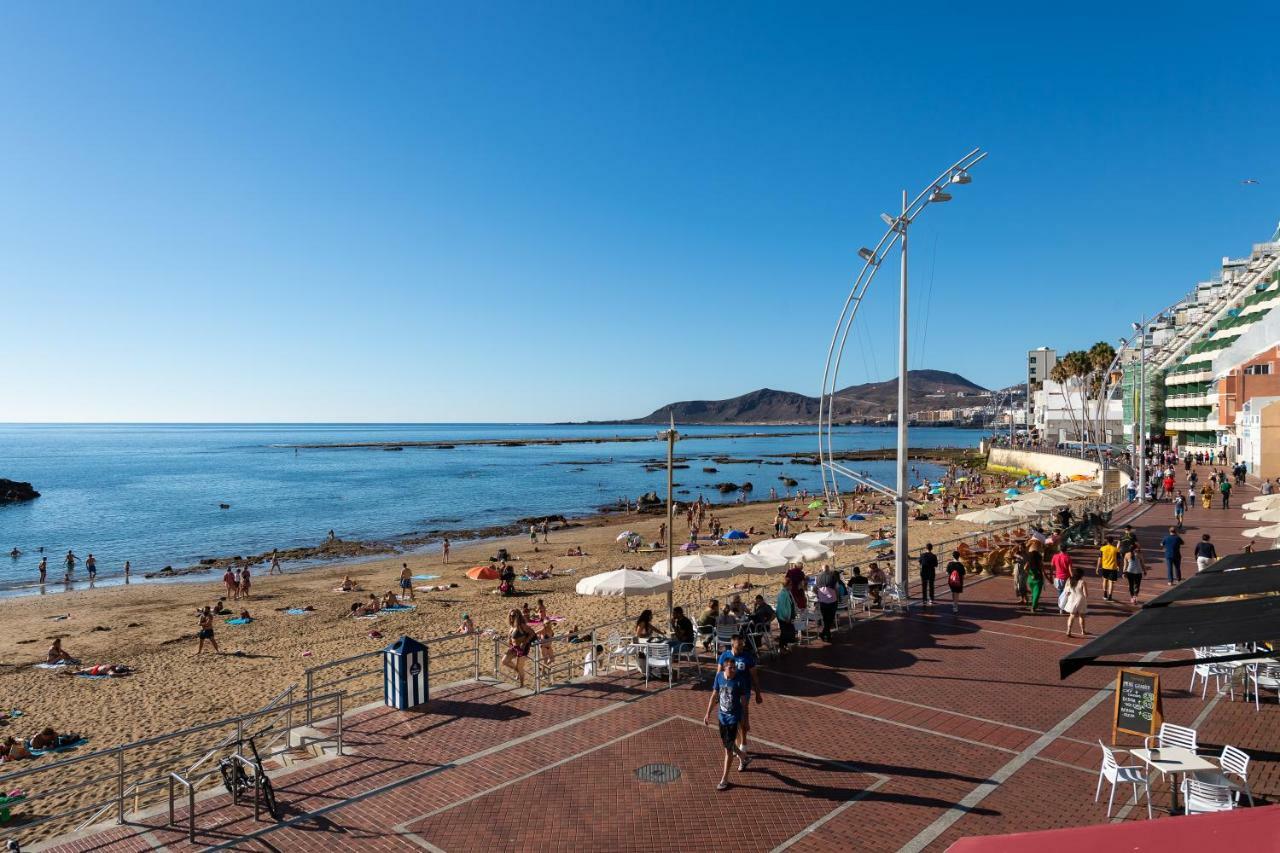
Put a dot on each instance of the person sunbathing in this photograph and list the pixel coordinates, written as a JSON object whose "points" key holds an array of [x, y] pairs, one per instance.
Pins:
{"points": [[220, 609], [348, 585], [13, 750], [389, 600], [466, 626], [57, 655], [50, 739], [112, 669]]}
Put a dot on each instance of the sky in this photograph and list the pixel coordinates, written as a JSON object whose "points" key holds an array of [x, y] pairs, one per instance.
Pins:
{"points": [[551, 211]]}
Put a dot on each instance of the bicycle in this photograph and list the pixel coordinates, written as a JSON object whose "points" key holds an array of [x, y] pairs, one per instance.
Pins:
{"points": [[238, 783]]}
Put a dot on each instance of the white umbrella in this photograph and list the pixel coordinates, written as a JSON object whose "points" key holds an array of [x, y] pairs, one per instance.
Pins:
{"points": [[1269, 515], [796, 552], [988, 516], [1270, 532], [696, 567], [760, 564], [830, 537], [623, 535], [624, 583], [1043, 499], [1264, 502]]}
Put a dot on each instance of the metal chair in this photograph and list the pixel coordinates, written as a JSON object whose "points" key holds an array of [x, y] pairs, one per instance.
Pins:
{"points": [[1203, 797], [1112, 772], [1170, 735], [1233, 762]]}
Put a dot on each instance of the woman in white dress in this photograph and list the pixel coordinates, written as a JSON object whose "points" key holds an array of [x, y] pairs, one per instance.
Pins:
{"points": [[1076, 601]]}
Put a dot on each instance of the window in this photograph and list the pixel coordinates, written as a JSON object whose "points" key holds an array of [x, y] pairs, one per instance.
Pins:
{"points": [[1263, 369]]}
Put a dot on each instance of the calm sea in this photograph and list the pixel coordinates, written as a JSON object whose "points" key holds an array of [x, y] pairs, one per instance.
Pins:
{"points": [[150, 493]]}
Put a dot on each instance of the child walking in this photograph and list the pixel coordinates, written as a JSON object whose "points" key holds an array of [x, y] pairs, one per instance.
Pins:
{"points": [[727, 692]]}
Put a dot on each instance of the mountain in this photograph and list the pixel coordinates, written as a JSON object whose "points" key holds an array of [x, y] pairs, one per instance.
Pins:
{"points": [[929, 390]]}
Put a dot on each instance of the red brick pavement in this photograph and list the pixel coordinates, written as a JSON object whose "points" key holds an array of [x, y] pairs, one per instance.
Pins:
{"points": [[908, 733]]}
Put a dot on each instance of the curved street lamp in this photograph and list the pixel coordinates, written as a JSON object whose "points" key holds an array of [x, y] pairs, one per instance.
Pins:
{"points": [[957, 174]]}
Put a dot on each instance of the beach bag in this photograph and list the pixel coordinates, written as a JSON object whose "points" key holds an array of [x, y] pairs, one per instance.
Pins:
{"points": [[1062, 599], [505, 587], [826, 595]]}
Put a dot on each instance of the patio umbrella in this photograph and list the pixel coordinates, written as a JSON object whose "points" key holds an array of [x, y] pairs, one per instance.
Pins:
{"points": [[624, 583], [1012, 492], [855, 517], [735, 534], [1269, 515], [760, 564], [830, 537], [790, 549], [623, 535], [482, 573], [879, 543], [987, 516], [1264, 502], [1269, 532], [696, 567], [937, 490], [816, 504]]}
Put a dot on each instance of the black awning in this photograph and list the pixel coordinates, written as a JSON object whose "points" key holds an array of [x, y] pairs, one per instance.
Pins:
{"points": [[1255, 581], [1181, 627], [1245, 561]]}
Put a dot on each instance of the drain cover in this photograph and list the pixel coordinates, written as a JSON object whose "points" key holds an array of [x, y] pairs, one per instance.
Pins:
{"points": [[660, 774]]}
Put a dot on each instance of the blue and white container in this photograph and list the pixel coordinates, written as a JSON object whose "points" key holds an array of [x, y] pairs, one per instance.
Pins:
{"points": [[404, 674]]}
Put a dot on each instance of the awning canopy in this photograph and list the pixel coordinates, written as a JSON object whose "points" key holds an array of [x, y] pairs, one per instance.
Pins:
{"points": [[1256, 581], [1182, 626], [1245, 561]]}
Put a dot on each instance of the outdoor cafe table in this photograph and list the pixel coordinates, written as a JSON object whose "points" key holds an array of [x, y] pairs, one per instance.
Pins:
{"points": [[1172, 760]]}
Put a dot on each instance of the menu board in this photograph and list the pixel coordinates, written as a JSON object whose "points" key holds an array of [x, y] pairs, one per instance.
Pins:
{"points": [[1137, 710]]}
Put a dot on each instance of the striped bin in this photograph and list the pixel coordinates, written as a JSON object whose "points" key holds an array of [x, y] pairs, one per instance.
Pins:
{"points": [[404, 674]]}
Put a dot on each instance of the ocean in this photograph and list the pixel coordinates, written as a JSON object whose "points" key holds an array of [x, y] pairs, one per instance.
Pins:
{"points": [[150, 493]]}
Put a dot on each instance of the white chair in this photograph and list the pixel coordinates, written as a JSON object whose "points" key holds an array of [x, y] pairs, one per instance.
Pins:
{"points": [[1219, 672], [1170, 736], [808, 625], [658, 656], [1233, 763], [1112, 772], [724, 637], [1263, 676], [617, 648], [894, 598], [1203, 797], [859, 598]]}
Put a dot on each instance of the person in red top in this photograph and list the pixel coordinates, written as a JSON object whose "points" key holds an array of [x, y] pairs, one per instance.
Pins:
{"points": [[1168, 486], [1061, 571]]}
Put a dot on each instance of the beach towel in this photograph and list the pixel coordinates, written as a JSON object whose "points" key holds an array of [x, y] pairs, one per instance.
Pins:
{"points": [[536, 621], [298, 611], [90, 675], [425, 577], [59, 665], [398, 607], [238, 621], [75, 743], [367, 616]]}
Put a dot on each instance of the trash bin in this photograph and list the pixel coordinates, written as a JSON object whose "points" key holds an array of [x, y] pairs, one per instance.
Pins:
{"points": [[404, 674]]}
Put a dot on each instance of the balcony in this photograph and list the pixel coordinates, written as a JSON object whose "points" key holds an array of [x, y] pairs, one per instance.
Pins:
{"points": [[1206, 399], [1173, 380], [1209, 424]]}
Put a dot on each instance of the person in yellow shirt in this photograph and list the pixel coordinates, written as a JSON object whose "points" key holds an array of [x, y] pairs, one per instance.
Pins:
{"points": [[1109, 567]]}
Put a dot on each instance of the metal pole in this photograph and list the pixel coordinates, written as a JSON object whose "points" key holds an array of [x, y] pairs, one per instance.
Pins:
{"points": [[1142, 413], [900, 543], [120, 786], [671, 529]]}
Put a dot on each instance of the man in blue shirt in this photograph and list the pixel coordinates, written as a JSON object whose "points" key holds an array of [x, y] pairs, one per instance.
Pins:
{"points": [[748, 676], [1172, 545], [727, 692]]}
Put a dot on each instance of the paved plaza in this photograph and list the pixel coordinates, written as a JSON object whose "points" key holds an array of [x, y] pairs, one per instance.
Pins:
{"points": [[908, 733]]}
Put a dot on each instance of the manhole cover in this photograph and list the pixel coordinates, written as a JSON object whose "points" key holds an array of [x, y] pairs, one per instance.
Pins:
{"points": [[661, 774]]}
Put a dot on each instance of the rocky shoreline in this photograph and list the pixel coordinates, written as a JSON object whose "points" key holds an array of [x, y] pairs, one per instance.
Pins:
{"points": [[12, 492]]}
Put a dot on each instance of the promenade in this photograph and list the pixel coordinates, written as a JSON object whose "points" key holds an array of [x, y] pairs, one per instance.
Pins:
{"points": [[907, 734]]}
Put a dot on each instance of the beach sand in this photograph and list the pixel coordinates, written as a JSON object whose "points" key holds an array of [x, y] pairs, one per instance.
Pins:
{"points": [[152, 626]]}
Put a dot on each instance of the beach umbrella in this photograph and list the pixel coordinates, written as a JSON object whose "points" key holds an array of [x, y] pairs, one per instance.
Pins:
{"points": [[1269, 532], [760, 564], [855, 517], [879, 543], [830, 537], [735, 534], [988, 516], [1264, 502], [790, 549], [1039, 487], [1012, 492], [1268, 515], [937, 490], [482, 573], [696, 567], [816, 504], [1079, 477], [624, 535]]}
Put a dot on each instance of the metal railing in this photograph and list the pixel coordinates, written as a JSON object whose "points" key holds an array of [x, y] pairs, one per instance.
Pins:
{"points": [[136, 768]]}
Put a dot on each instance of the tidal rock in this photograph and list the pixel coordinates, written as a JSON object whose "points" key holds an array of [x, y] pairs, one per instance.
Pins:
{"points": [[12, 492]]}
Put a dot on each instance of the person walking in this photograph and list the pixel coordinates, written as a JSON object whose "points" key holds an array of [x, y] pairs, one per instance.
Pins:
{"points": [[519, 638], [1134, 569], [955, 580], [91, 565], [748, 675], [275, 568], [1172, 545], [44, 568], [727, 695], [1225, 487], [246, 581], [1179, 508], [1205, 553], [128, 570], [1062, 568], [1034, 572], [1076, 601], [928, 569], [70, 562], [445, 548], [206, 631], [1108, 567], [1019, 557]]}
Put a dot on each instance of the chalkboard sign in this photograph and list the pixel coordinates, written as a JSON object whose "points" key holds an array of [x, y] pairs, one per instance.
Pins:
{"points": [[1138, 710]]}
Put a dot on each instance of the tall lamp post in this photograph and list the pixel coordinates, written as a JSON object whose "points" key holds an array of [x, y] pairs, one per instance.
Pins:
{"points": [[1140, 422], [670, 435]]}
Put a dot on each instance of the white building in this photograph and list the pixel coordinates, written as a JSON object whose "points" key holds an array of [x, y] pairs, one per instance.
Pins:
{"points": [[1248, 438], [1057, 415]]}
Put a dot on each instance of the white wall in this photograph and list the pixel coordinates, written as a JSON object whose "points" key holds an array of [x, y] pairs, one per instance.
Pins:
{"points": [[1046, 463]]}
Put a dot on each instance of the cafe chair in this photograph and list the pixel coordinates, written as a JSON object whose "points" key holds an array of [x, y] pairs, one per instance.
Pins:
{"points": [[1112, 772], [1170, 736], [1204, 797], [1263, 676], [1233, 763]]}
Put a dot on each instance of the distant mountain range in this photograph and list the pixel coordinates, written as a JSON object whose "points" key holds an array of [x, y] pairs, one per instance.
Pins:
{"points": [[929, 390]]}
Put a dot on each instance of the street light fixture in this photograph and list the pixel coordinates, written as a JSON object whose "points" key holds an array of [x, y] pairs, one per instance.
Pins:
{"points": [[939, 195], [961, 177], [866, 254]]}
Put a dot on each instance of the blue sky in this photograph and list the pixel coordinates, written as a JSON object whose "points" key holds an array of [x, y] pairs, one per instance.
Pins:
{"points": [[547, 211]]}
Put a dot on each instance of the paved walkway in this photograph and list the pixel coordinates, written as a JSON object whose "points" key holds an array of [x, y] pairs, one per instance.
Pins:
{"points": [[908, 734]]}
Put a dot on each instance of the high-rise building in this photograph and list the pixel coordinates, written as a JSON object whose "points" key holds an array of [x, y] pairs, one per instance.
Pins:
{"points": [[1039, 363]]}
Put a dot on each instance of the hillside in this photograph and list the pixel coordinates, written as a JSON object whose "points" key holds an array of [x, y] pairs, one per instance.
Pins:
{"points": [[929, 390]]}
